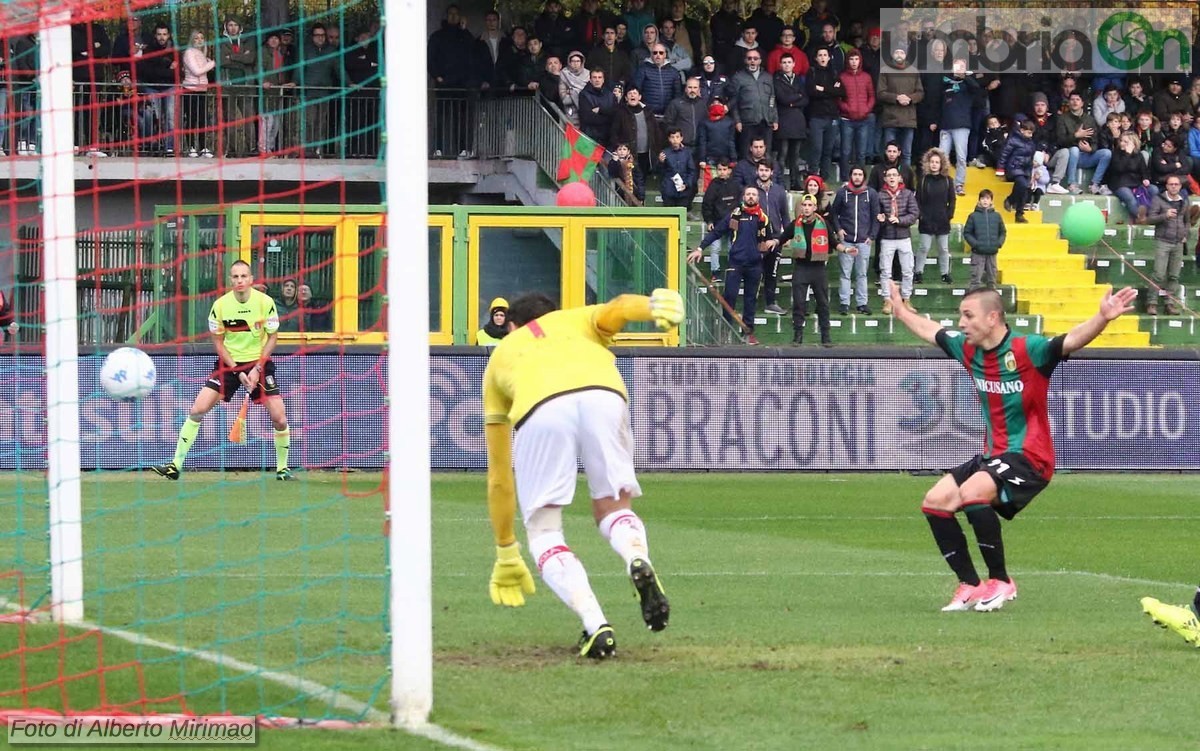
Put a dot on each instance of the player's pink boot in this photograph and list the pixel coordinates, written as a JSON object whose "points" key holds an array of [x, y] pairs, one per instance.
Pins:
{"points": [[994, 593], [964, 597]]}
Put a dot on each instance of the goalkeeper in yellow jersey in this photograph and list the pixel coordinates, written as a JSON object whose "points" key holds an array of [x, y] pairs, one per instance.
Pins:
{"points": [[244, 325], [555, 382]]}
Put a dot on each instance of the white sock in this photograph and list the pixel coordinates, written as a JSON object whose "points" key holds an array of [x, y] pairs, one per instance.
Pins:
{"points": [[564, 574], [624, 531]]}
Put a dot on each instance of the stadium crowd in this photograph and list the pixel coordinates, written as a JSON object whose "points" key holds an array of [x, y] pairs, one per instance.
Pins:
{"points": [[815, 90], [731, 103], [230, 91]]}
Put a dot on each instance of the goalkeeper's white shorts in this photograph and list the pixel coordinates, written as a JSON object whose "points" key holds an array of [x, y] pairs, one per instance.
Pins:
{"points": [[591, 425]]}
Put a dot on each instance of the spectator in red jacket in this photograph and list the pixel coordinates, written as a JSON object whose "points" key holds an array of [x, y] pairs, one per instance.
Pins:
{"points": [[787, 43], [858, 111]]}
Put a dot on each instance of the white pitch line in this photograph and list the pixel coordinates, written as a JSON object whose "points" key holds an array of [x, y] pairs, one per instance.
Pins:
{"points": [[332, 698], [1116, 578]]}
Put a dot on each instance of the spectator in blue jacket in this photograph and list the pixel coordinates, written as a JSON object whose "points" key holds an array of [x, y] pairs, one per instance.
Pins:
{"points": [[1194, 147], [678, 171], [658, 81], [749, 238], [1017, 160]]}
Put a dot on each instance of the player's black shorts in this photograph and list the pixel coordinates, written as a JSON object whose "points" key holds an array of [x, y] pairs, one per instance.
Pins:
{"points": [[224, 380], [1017, 482]]}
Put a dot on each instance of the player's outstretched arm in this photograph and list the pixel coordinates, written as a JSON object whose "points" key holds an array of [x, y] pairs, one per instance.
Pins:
{"points": [[923, 327], [1112, 306], [663, 306], [510, 580]]}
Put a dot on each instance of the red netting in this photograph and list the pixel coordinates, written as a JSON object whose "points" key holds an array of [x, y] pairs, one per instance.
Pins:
{"points": [[63, 671], [25, 16]]}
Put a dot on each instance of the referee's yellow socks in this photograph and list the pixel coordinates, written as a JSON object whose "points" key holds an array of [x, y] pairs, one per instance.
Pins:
{"points": [[187, 436], [283, 441]]}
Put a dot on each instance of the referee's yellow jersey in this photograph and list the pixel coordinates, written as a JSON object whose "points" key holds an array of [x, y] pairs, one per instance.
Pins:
{"points": [[560, 352]]}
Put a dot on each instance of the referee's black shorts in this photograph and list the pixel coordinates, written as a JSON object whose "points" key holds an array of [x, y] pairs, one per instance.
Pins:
{"points": [[225, 381]]}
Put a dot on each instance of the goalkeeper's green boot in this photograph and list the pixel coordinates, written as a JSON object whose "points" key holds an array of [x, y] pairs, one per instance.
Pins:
{"points": [[168, 470], [1180, 620], [284, 474], [656, 610], [600, 644]]}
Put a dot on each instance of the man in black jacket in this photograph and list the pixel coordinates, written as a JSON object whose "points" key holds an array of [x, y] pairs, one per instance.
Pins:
{"points": [[158, 72]]}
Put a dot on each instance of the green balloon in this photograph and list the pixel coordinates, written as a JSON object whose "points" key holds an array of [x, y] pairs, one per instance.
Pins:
{"points": [[1083, 224]]}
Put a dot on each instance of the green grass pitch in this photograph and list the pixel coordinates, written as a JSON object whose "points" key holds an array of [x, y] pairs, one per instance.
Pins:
{"points": [[804, 613]]}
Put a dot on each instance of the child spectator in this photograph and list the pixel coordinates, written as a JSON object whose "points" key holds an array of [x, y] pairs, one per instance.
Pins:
{"points": [[1135, 98], [1174, 127], [716, 139], [1017, 160], [992, 144], [631, 181], [935, 203], [1108, 101], [1111, 131], [1144, 127], [678, 171], [1039, 180], [984, 232], [720, 198]]}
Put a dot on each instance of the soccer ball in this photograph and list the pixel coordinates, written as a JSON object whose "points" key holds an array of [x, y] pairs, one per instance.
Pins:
{"points": [[128, 373]]}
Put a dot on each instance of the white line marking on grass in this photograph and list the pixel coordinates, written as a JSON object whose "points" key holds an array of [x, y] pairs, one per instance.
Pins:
{"points": [[321, 692]]}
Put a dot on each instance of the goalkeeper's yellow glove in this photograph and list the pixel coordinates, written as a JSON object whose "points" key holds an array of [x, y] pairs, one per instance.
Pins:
{"points": [[666, 308], [510, 577]]}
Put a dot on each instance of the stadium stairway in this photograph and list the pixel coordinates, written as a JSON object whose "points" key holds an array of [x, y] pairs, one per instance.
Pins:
{"points": [[1051, 281]]}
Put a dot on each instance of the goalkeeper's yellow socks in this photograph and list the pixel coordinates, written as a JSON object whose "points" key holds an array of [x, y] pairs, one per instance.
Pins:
{"points": [[565, 575], [625, 532], [187, 436], [283, 442]]}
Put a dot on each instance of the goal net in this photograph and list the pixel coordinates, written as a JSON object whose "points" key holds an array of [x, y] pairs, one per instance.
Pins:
{"points": [[150, 151]]}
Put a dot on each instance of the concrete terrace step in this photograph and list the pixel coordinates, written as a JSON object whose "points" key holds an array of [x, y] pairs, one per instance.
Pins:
{"points": [[1023, 278], [1052, 307], [1090, 292], [1110, 339], [1048, 264], [1061, 324]]}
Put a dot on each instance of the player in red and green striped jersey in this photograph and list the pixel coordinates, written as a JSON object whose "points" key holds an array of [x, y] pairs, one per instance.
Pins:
{"points": [[1011, 374]]}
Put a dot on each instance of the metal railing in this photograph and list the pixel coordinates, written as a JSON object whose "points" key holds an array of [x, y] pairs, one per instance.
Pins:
{"points": [[232, 121], [465, 123]]}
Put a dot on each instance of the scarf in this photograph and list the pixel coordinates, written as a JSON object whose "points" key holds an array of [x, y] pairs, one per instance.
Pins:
{"points": [[755, 211], [819, 252], [627, 167], [494, 331], [716, 111], [895, 194]]}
